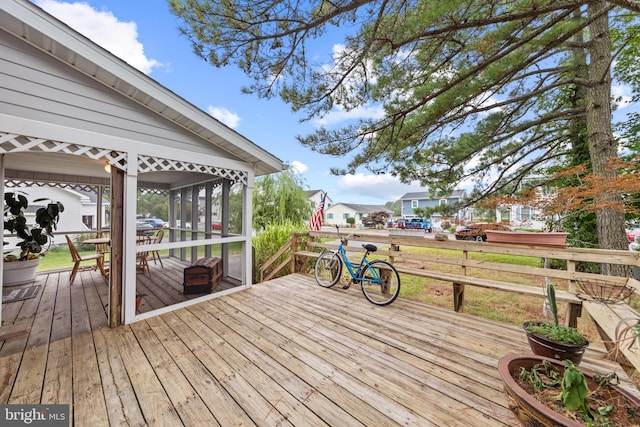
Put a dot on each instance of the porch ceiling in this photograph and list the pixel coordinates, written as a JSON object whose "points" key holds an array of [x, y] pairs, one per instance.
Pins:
{"points": [[56, 167]]}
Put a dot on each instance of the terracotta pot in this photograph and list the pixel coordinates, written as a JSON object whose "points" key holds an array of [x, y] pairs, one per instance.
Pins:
{"points": [[553, 349], [19, 272], [555, 239], [529, 410]]}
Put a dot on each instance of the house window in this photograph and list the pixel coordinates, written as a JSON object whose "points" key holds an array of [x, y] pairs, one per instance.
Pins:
{"points": [[414, 203], [345, 215], [329, 216], [443, 202]]}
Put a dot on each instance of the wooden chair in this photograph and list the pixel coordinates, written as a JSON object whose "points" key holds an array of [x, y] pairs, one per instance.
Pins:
{"points": [[78, 259], [142, 264], [104, 249], [155, 255]]}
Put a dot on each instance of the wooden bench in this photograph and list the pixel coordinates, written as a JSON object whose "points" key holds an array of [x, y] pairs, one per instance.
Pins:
{"points": [[574, 304], [607, 318]]}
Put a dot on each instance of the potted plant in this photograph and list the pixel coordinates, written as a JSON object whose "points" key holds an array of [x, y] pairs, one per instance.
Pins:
{"points": [[34, 240], [351, 221], [554, 340], [546, 392]]}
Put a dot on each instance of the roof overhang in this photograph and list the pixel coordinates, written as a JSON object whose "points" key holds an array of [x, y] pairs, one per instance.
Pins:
{"points": [[28, 22]]}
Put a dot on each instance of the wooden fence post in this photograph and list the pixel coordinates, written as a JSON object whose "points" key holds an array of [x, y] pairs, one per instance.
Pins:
{"points": [[294, 248]]}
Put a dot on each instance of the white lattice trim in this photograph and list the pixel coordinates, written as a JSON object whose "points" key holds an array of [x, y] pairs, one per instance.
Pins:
{"points": [[11, 143], [16, 183], [156, 164]]}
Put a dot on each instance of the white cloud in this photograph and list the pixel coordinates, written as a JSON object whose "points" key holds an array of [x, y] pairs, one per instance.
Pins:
{"points": [[103, 28], [225, 116], [338, 115], [624, 93], [383, 188], [298, 167]]}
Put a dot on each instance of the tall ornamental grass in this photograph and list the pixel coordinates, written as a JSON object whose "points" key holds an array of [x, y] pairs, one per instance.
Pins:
{"points": [[269, 240]]}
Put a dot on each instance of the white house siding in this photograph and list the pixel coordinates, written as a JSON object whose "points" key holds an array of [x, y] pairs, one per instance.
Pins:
{"points": [[337, 214], [70, 98], [70, 219]]}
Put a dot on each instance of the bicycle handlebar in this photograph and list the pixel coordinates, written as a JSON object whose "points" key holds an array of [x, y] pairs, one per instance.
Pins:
{"points": [[348, 236]]}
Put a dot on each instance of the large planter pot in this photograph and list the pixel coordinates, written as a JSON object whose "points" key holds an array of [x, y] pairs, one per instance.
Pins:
{"points": [[553, 349], [19, 272], [528, 409], [554, 239]]}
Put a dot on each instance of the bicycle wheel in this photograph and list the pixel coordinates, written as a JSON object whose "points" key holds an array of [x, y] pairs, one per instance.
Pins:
{"points": [[382, 285], [328, 269]]}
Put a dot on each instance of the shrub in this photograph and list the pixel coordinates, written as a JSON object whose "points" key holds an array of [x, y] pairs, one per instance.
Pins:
{"points": [[269, 240]]}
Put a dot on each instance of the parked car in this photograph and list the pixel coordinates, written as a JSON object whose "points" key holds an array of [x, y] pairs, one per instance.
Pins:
{"points": [[154, 222], [144, 228], [141, 228], [420, 224], [477, 231]]}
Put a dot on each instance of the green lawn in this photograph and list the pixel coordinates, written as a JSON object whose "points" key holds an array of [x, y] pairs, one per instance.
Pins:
{"points": [[59, 257]]}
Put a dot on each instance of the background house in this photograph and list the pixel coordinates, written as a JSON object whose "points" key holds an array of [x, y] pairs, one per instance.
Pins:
{"points": [[79, 206], [339, 212], [79, 209], [316, 195], [424, 200]]}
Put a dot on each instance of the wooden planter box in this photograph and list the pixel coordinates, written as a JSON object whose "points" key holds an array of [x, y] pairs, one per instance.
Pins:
{"points": [[555, 239], [202, 277]]}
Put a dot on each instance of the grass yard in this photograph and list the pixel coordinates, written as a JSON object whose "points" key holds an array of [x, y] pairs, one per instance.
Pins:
{"points": [[59, 257]]}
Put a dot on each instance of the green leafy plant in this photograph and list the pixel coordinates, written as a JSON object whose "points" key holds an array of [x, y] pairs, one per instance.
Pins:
{"points": [[554, 331], [35, 239], [574, 393], [574, 389]]}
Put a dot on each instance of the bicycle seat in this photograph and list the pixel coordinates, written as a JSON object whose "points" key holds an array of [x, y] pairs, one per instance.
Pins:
{"points": [[370, 247]]}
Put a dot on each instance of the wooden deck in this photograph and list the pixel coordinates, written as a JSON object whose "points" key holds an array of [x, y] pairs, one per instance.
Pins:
{"points": [[285, 352]]}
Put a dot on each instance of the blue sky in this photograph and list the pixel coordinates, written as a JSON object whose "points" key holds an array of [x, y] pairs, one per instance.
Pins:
{"points": [[144, 33]]}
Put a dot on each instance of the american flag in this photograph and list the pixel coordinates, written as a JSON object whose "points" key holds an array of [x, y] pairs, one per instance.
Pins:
{"points": [[316, 219]]}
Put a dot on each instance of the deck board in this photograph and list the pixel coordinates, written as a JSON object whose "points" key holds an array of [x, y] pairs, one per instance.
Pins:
{"points": [[286, 352]]}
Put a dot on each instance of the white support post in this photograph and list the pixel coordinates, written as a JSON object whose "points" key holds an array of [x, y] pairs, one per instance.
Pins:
{"points": [[247, 229], [130, 253], [1, 231]]}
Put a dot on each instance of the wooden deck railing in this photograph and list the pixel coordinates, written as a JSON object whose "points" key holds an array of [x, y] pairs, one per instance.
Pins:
{"points": [[408, 255]]}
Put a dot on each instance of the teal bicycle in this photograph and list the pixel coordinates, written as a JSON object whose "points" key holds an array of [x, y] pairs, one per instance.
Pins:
{"points": [[379, 280]]}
